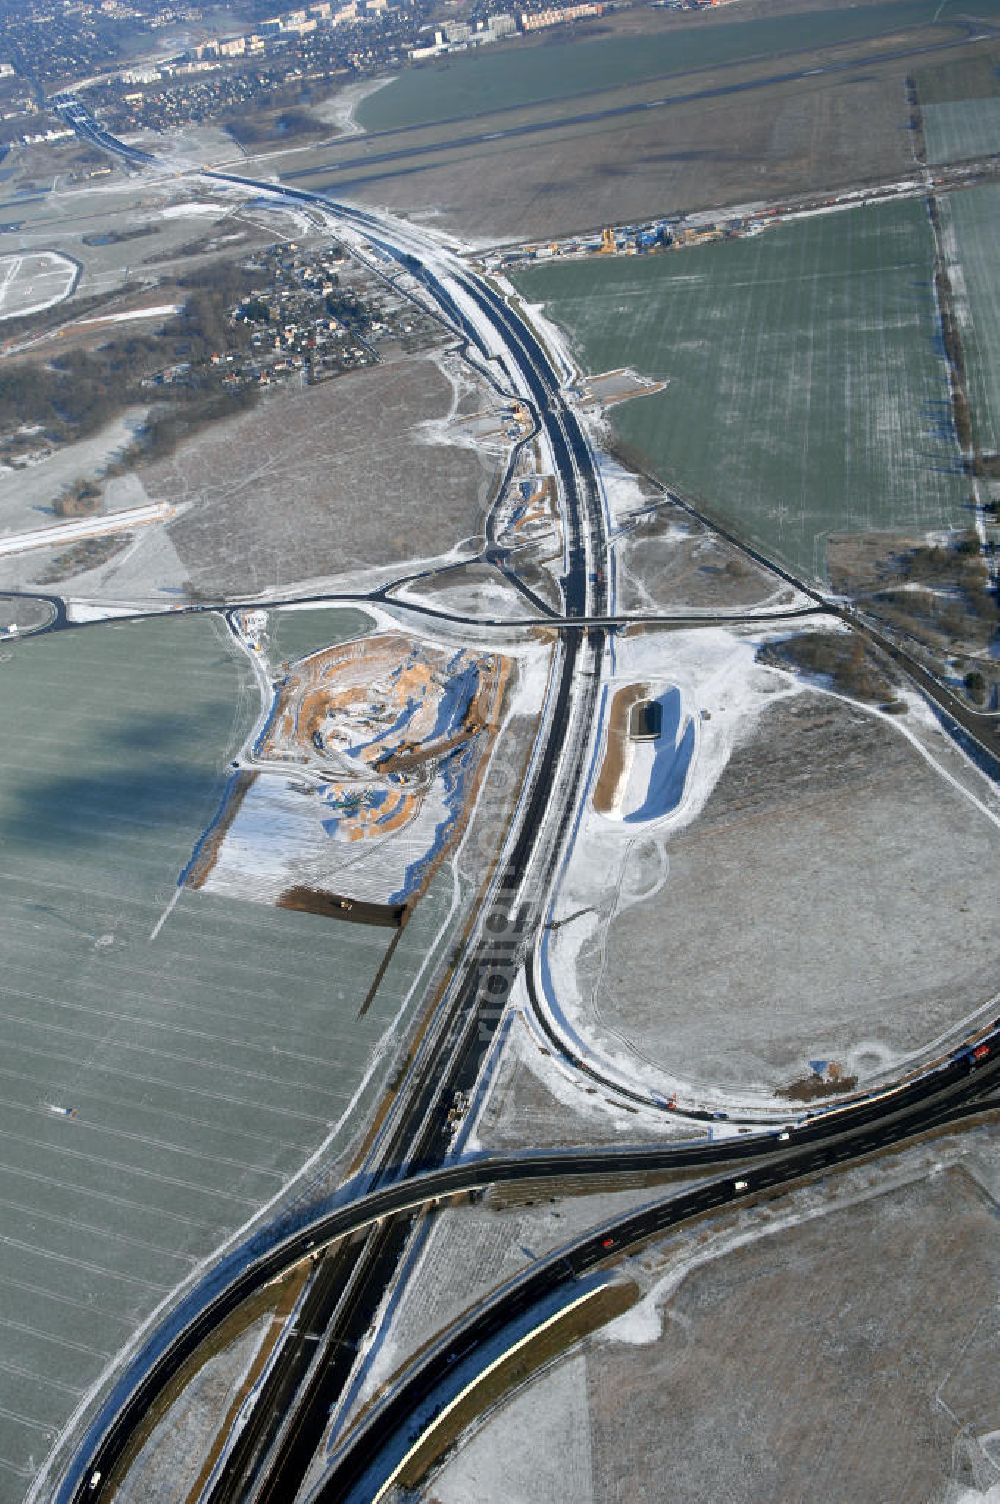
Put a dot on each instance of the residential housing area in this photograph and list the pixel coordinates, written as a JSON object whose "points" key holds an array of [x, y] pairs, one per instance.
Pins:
{"points": [[500, 752]]}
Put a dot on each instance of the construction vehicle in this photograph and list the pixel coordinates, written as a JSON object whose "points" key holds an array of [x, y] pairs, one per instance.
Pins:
{"points": [[608, 246]]}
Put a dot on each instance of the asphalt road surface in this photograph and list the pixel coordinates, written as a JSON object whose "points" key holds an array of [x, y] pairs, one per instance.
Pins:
{"points": [[371, 1456], [419, 1133], [407, 1164]]}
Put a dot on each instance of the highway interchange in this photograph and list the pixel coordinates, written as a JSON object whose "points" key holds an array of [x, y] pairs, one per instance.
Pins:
{"points": [[357, 1245]]}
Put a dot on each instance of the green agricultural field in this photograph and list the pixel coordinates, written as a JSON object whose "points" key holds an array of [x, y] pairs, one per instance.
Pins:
{"points": [[461, 87], [974, 77], [975, 220], [807, 391], [158, 1083], [295, 633], [962, 129]]}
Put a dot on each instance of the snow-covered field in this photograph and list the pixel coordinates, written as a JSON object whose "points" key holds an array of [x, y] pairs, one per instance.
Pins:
{"points": [[957, 130], [778, 909], [205, 1050], [156, 311], [822, 1295], [804, 375], [971, 226], [341, 109], [28, 491], [34, 281]]}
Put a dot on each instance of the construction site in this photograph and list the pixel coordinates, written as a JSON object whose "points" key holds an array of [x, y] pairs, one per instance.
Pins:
{"points": [[360, 780]]}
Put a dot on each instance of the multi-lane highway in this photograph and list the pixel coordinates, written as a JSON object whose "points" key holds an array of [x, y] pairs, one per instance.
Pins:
{"points": [[405, 1164], [76, 115], [416, 1131], [790, 1152], [372, 1455]]}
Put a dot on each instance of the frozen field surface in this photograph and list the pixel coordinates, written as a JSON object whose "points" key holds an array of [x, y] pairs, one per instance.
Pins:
{"points": [[975, 222], [295, 490], [807, 393], [803, 915], [293, 633], [823, 1296], [962, 128], [34, 281], [164, 1070]]}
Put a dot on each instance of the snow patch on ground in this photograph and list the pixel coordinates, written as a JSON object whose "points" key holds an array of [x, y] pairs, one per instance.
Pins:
{"points": [[534, 667], [973, 1496], [723, 691], [33, 281], [191, 207], [638, 1327], [341, 110], [27, 494], [549, 333], [614, 864], [281, 837], [97, 611], [161, 311], [623, 490], [643, 1322], [58, 533]]}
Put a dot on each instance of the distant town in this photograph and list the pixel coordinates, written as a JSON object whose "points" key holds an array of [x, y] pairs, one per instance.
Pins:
{"points": [[112, 49]]}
